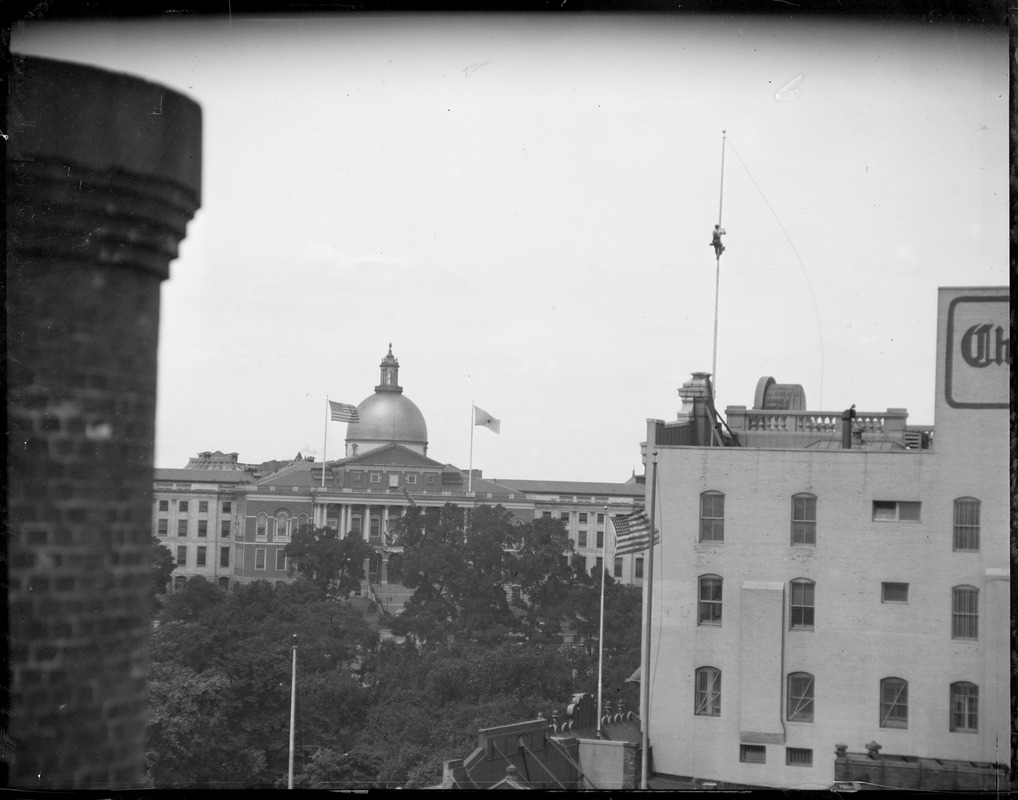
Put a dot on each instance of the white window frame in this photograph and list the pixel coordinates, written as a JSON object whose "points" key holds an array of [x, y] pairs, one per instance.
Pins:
{"points": [[707, 692], [262, 527], [260, 555]]}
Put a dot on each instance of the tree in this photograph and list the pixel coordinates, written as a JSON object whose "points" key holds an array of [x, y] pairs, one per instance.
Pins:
{"points": [[333, 564], [163, 565], [545, 571]]}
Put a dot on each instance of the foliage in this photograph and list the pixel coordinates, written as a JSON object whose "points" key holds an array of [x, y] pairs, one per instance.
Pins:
{"points": [[386, 714], [163, 565], [333, 564]]}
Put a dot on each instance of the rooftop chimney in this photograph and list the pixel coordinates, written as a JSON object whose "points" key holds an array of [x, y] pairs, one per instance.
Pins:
{"points": [[846, 427]]}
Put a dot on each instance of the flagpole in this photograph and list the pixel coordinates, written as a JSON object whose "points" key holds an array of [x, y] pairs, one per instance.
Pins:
{"points": [[293, 708], [717, 273], [648, 604], [470, 472], [325, 445], [600, 635]]}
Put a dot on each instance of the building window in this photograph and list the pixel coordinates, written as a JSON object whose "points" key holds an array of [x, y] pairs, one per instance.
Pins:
{"points": [[712, 517], [302, 520], [164, 505], [752, 754], [376, 527], [894, 593], [709, 606], [183, 506], [564, 516], [708, 692], [182, 556], [618, 567], [224, 529], [893, 703], [224, 556], [545, 515], [355, 526], [181, 527], [280, 559], [227, 507], [201, 557], [164, 527], [411, 480], [964, 707], [804, 519], [282, 526], [376, 477], [964, 612], [801, 604], [895, 511], [966, 523], [203, 527], [259, 558], [800, 697], [203, 506], [261, 527], [582, 517], [582, 540], [599, 566], [600, 519], [599, 539], [639, 567], [798, 757]]}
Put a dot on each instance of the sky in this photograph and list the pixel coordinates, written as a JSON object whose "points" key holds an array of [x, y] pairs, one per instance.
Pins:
{"points": [[522, 205]]}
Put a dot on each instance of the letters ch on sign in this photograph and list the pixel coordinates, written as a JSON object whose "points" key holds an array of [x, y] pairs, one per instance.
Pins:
{"points": [[985, 344]]}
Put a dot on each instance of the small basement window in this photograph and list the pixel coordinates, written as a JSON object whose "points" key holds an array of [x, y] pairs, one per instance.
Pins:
{"points": [[896, 511]]}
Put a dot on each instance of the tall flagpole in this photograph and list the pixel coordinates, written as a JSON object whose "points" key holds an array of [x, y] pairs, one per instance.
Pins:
{"points": [[600, 635], [325, 446], [648, 603], [293, 708], [717, 274], [473, 422]]}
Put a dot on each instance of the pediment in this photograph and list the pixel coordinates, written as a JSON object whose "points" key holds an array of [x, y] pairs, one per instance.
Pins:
{"points": [[390, 455]]}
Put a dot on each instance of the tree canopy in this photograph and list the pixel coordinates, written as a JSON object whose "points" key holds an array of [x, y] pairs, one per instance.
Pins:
{"points": [[334, 564]]}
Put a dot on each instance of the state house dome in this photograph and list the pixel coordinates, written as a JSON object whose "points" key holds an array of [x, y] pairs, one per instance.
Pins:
{"points": [[387, 416]]}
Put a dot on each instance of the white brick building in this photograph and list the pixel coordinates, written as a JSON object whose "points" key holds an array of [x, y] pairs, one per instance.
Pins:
{"points": [[812, 591]]}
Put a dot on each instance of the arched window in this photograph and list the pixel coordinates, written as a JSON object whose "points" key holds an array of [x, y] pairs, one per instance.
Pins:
{"points": [[707, 700], [964, 707], [712, 517], [966, 523], [302, 520], [893, 703], [964, 612], [709, 603], [800, 604], [282, 526], [261, 526], [800, 697], [804, 519]]}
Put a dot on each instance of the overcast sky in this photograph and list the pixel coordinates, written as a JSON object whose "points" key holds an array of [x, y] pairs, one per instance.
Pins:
{"points": [[523, 207]]}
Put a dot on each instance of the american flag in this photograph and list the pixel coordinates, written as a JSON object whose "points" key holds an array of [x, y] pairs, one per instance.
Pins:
{"points": [[632, 533], [343, 412]]}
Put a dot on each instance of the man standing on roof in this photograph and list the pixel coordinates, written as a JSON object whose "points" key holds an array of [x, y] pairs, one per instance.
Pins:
{"points": [[716, 241]]}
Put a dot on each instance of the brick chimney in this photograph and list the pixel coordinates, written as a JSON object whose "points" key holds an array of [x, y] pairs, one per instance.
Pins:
{"points": [[103, 173]]}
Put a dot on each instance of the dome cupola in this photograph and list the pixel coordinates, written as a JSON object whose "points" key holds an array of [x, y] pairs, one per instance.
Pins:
{"points": [[387, 416]]}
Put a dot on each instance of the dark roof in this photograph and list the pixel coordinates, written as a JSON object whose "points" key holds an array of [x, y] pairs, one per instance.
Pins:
{"points": [[202, 475], [574, 487]]}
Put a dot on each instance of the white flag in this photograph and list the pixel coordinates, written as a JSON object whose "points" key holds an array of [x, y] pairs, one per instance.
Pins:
{"points": [[485, 420]]}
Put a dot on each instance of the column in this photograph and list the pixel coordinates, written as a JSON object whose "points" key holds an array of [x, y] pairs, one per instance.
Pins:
{"points": [[100, 189]]}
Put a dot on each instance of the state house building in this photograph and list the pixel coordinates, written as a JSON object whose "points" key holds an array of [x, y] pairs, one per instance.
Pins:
{"points": [[831, 597], [229, 521]]}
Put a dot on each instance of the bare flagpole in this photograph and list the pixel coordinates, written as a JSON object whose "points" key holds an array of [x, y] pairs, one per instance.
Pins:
{"points": [[600, 636], [645, 644], [293, 708], [717, 274], [325, 446], [473, 423]]}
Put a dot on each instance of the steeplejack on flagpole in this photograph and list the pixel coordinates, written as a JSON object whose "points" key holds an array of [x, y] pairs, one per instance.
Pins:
{"points": [[718, 250]]}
